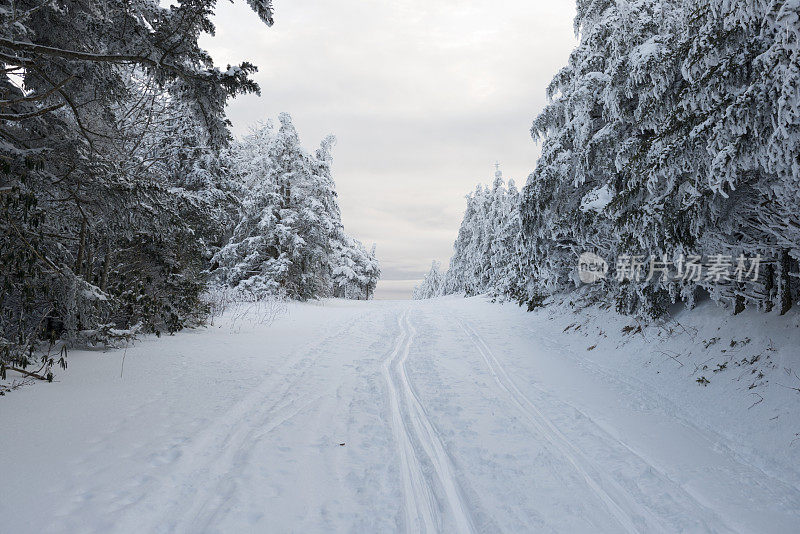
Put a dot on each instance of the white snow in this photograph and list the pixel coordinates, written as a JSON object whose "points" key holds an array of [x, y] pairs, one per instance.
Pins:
{"points": [[597, 199], [447, 415]]}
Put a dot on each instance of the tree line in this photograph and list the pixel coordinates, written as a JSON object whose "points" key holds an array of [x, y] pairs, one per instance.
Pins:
{"points": [[122, 192], [671, 134]]}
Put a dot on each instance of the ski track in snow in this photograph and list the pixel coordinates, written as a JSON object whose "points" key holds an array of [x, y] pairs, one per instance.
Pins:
{"points": [[421, 509], [544, 426], [198, 490], [373, 417], [631, 515]]}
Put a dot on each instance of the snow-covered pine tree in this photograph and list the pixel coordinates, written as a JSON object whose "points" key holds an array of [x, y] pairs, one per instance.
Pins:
{"points": [[290, 239], [671, 131], [510, 259], [89, 233], [258, 258], [460, 276], [355, 270], [744, 70], [432, 285], [575, 157], [488, 256]]}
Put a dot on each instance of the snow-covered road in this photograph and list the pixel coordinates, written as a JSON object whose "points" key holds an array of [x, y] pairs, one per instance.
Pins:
{"points": [[440, 416]]}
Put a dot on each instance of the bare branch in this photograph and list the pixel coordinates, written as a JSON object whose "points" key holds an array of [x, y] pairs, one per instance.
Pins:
{"points": [[31, 115], [35, 98]]}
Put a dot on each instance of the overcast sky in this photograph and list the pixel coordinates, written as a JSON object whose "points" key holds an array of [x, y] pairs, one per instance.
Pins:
{"points": [[423, 96]]}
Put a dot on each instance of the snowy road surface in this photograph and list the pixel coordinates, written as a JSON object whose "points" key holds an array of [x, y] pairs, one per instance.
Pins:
{"points": [[441, 416]]}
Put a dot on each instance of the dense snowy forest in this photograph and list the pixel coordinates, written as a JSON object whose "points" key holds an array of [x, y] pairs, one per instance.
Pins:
{"points": [[670, 149], [489, 255], [123, 194]]}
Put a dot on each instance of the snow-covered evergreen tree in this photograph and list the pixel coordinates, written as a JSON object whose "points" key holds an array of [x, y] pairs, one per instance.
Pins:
{"points": [[487, 254], [355, 270], [110, 121], [432, 285], [671, 132], [290, 238]]}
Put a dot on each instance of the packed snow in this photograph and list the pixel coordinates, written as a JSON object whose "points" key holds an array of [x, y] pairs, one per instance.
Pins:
{"points": [[445, 415]]}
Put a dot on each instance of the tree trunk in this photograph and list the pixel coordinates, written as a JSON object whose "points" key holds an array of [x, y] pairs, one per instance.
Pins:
{"points": [[784, 282], [106, 265], [739, 305], [769, 288], [81, 248], [89, 260]]}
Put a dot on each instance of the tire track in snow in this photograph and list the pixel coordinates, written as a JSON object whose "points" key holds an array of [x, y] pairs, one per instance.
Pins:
{"points": [[420, 503]]}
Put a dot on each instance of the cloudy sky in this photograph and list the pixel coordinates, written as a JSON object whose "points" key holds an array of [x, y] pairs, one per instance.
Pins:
{"points": [[423, 96]]}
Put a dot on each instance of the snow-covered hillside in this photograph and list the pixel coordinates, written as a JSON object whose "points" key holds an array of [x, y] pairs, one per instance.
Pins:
{"points": [[447, 415]]}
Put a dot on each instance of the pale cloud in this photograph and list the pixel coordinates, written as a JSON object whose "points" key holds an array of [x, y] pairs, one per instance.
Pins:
{"points": [[423, 97]]}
